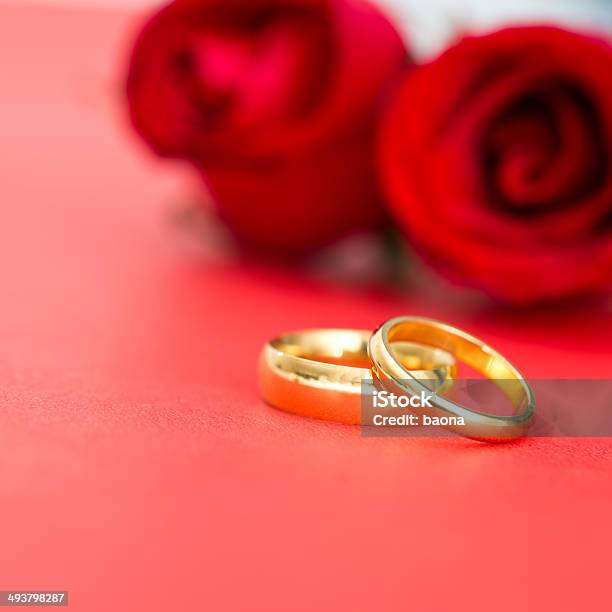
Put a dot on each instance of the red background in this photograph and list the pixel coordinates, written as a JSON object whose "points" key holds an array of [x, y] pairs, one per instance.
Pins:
{"points": [[138, 467]]}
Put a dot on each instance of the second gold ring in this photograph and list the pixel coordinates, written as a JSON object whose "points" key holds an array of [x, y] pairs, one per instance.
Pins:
{"points": [[318, 372]]}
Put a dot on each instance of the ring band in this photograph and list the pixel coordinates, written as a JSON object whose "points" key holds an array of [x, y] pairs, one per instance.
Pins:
{"points": [[394, 377], [318, 372]]}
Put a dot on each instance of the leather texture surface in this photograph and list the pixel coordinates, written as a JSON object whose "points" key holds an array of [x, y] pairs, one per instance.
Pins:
{"points": [[138, 468]]}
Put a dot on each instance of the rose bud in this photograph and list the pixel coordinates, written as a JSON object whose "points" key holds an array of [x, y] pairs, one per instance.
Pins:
{"points": [[497, 161], [275, 103]]}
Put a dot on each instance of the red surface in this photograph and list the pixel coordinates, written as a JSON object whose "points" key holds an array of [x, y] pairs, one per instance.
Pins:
{"points": [[138, 468]]}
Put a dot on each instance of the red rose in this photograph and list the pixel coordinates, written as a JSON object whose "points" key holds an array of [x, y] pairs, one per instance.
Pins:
{"points": [[497, 159], [275, 102]]}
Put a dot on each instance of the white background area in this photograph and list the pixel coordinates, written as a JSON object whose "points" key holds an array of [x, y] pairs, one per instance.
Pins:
{"points": [[431, 23]]}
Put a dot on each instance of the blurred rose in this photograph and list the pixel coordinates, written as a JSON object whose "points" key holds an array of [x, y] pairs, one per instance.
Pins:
{"points": [[275, 102], [497, 158]]}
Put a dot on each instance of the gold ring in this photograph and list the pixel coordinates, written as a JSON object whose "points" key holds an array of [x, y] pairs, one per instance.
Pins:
{"points": [[318, 372], [394, 377]]}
